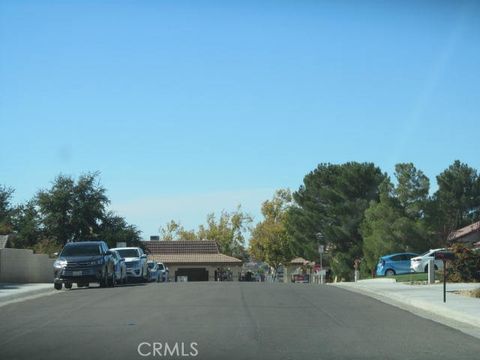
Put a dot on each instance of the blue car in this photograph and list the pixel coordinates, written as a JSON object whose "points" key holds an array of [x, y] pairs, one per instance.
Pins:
{"points": [[394, 264]]}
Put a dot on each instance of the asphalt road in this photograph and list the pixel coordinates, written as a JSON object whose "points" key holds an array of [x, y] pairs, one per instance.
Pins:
{"points": [[223, 321]]}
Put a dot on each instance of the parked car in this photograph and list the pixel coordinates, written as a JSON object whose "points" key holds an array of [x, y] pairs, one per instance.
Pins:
{"points": [[394, 264], [163, 272], [120, 267], [136, 262], [82, 263], [420, 263], [153, 271]]}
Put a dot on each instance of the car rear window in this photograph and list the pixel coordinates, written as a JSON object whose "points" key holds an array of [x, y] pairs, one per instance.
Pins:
{"points": [[81, 250], [126, 253]]}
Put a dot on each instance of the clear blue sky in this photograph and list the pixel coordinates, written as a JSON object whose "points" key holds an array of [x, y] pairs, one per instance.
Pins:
{"points": [[188, 107]]}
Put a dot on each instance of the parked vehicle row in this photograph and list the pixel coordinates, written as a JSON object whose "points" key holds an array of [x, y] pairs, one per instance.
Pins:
{"points": [[405, 263], [88, 262]]}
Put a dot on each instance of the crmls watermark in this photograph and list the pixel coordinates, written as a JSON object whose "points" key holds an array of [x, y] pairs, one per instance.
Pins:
{"points": [[164, 349]]}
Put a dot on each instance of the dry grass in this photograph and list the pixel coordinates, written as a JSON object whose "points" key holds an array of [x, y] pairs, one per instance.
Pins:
{"points": [[471, 293], [475, 293]]}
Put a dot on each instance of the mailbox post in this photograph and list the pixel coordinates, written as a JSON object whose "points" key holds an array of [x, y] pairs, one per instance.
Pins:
{"points": [[444, 256]]}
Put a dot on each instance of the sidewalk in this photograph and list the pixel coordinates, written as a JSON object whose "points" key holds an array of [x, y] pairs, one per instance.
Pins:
{"points": [[461, 312], [16, 292]]}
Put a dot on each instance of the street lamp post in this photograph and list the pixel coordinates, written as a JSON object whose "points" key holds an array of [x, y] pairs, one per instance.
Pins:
{"points": [[321, 250]]}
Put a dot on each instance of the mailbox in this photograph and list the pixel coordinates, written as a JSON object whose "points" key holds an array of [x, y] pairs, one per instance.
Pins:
{"points": [[444, 255]]}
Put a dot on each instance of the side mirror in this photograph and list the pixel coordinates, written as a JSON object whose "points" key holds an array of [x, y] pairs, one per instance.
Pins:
{"points": [[108, 252], [143, 256], [55, 253]]}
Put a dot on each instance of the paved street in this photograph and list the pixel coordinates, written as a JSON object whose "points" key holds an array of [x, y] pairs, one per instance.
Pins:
{"points": [[227, 321]]}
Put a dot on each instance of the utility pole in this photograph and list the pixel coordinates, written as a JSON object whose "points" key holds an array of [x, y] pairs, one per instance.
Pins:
{"points": [[321, 250]]}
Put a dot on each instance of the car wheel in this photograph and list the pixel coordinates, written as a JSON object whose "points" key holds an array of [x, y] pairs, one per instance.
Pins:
{"points": [[389, 272], [68, 285], [104, 281], [113, 280], [57, 286]]}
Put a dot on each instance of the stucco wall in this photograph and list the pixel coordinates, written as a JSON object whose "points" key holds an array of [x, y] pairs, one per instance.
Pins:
{"points": [[23, 266]]}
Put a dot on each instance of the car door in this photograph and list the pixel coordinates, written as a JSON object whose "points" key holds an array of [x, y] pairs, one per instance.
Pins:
{"points": [[402, 264], [406, 262]]}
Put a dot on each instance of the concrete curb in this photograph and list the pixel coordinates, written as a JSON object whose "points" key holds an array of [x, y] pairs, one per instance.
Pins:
{"points": [[26, 294], [424, 305], [438, 313]]}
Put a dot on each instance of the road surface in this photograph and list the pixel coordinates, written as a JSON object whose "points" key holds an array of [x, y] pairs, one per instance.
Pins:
{"points": [[222, 321]]}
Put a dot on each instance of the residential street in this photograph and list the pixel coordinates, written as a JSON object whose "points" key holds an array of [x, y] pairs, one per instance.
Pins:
{"points": [[227, 321]]}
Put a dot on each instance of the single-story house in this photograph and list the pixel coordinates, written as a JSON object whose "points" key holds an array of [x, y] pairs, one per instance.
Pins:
{"points": [[295, 267], [193, 260], [468, 235]]}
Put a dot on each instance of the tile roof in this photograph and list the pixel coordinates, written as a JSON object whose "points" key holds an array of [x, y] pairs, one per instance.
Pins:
{"points": [[182, 247], [195, 259], [298, 260], [188, 252], [454, 235]]}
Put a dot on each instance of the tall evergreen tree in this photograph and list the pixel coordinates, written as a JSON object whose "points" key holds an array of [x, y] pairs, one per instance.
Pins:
{"points": [[332, 202]]}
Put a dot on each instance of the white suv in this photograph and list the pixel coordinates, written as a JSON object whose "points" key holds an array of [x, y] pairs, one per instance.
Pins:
{"points": [[420, 263], [136, 262]]}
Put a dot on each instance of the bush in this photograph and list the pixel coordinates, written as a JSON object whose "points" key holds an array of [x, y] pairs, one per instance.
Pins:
{"points": [[466, 266], [47, 246]]}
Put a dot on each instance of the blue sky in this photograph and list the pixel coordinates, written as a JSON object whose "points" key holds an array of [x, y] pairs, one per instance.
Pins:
{"points": [[189, 107]]}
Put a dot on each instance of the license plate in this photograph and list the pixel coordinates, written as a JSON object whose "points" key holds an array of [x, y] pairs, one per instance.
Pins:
{"points": [[77, 273]]}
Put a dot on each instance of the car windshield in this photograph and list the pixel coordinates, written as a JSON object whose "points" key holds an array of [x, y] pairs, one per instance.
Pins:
{"points": [[126, 253], [151, 265], [160, 266], [81, 250]]}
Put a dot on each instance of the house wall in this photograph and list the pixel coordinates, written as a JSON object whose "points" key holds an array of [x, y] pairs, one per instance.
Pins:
{"points": [[210, 268], [23, 266]]}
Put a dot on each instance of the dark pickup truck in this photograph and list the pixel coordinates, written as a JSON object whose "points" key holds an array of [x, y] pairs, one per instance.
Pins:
{"points": [[84, 262]]}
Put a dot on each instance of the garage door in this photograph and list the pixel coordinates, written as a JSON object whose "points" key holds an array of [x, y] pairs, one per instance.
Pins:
{"points": [[193, 274]]}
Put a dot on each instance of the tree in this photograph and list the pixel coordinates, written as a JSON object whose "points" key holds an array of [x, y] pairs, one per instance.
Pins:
{"points": [[396, 223], [6, 210], [228, 231], [72, 211], [115, 228], [456, 203], [174, 230], [270, 241], [27, 226], [412, 189], [387, 228], [332, 201]]}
